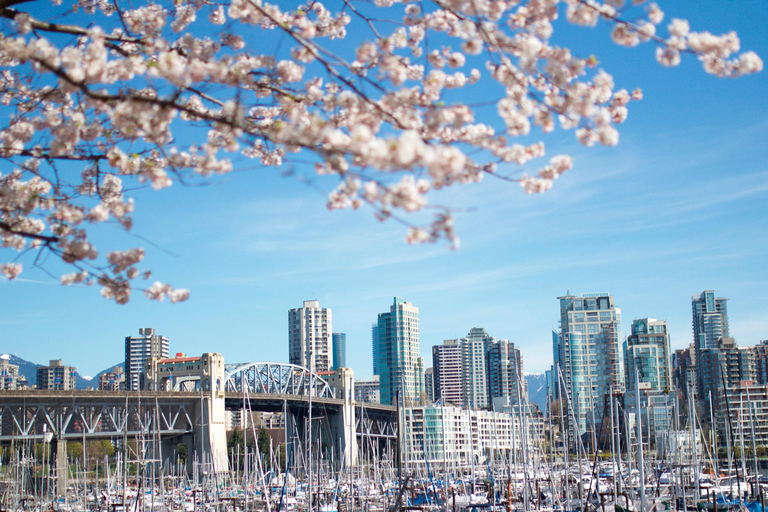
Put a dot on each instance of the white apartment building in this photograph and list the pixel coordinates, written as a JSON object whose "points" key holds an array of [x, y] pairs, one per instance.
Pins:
{"points": [[446, 361], [138, 349], [451, 437], [310, 330]]}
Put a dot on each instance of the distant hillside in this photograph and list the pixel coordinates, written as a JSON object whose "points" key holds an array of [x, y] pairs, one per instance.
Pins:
{"points": [[29, 370], [537, 390]]}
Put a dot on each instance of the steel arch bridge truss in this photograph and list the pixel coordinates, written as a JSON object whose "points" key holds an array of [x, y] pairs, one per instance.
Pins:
{"points": [[275, 378], [92, 419]]}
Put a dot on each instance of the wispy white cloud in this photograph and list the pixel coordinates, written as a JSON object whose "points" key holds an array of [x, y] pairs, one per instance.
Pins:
{"points": [[530, 268], [5, 280]]}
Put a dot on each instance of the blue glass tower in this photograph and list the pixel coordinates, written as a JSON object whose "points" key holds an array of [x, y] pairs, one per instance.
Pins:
{"points": [[339, 350]]}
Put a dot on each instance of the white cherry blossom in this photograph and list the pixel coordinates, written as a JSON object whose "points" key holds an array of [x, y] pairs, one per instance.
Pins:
{"points": [[379, 101]]}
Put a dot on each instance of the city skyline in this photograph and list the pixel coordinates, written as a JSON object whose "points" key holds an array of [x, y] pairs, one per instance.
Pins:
{"points": [[427, 352], [676, 208]]}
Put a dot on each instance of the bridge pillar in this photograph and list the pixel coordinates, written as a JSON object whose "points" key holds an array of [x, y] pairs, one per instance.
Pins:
{"points": [[343, 424], [60, 448], [211, 440]]}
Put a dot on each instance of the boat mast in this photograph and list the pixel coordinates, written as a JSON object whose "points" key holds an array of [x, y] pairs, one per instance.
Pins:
{"points": [[620, 482], [309, 432], [639, 423], [592, 407], [752, 416], [613, 451], [713, 430], [566, 487], [692, 426]]}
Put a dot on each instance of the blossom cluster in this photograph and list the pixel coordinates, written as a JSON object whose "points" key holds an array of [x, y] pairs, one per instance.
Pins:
{"points": [[179, 91]]}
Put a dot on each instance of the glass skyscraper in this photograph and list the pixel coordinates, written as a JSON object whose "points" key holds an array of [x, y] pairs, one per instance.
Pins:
{"points": [[588, 354], [339, 350], [505, 373], [474, 367], [400, 365], [375, 347], [648, 352], [710, 323]]}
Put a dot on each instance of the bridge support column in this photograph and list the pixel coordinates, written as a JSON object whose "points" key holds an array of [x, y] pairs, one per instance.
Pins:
{"points": [[211, 440], [344, 424], [60, 449]]}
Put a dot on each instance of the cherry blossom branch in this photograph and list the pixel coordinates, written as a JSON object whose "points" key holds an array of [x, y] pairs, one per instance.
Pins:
{"points": [[378, 117]]}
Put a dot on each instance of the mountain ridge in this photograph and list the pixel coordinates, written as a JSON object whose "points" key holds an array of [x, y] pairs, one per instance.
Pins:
{"points": [[537, 390]]}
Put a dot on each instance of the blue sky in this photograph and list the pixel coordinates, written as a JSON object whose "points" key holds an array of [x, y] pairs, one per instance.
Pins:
{"points": [[678, 207]]}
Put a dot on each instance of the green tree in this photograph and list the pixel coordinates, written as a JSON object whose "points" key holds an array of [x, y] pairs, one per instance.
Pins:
{"points": [[263, 443], [97, 450], [42, 449], [182, 452], [235, 447], [282, 458], [74, 450]]}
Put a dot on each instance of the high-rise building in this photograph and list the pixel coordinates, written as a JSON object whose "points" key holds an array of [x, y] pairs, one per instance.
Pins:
{"points": [[309, 332], [398, 353], [505, 373], [648, 352], [589, 356], [339, 350], [137, 350], [684, 369], [429, 384], [56, 376], [553, 374], [710, 323], [375, 347], [474, 367], [419, 375], [761, 361], [722, 367], [710, 319], [446, 364]]}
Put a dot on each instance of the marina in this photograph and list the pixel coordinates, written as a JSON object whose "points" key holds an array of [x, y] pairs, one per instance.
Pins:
{"points": [[535, 474]]}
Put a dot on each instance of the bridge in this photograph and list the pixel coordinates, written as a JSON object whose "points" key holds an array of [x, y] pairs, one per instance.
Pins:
{"points": [[190, 409]]}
